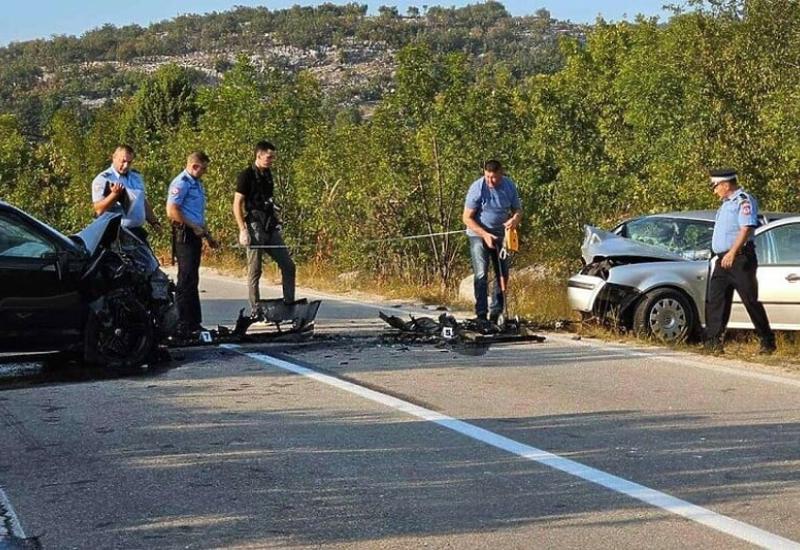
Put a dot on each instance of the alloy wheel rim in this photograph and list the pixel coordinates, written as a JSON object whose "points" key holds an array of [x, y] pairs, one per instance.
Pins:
{"points": [[667, 319]]}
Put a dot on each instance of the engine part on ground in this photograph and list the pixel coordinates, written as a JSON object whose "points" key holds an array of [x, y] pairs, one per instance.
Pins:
{"points": [[476, 331]]}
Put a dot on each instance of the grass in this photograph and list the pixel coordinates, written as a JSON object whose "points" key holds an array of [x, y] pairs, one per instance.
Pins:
{"points": [[739, 344]]}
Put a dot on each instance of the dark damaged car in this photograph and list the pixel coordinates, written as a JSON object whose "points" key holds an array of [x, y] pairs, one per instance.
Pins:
{"points": [[99, 294], [650, 274]]}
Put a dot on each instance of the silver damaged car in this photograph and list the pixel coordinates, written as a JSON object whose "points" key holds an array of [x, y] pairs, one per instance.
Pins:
{"points": [[650, 274]]}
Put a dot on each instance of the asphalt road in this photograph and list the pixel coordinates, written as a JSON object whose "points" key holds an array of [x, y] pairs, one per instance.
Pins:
{"points": [[354, 442]]}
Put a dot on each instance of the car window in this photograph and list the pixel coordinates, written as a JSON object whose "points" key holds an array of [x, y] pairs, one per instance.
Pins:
{"points": [[19, 241], [779, 246], [690, 238]]}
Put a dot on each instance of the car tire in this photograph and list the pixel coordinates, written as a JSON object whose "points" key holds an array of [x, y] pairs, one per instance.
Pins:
{"points": [[121, 337], [665, 315]]}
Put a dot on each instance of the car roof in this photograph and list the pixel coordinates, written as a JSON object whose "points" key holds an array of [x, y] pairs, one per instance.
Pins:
{"points": [[783, 220], [706, 215], [710, 215]]}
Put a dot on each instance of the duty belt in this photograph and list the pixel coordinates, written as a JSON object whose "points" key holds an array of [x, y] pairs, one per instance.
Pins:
{"points": [[747, 247]]}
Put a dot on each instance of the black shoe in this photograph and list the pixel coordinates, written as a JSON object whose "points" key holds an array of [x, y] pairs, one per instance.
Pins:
{"points": [[494, 316], [767, 348], [714, 348], [480, 317]]}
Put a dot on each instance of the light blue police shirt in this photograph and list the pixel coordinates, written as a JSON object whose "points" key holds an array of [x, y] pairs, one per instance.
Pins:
{"points": [[493, 205], [740, 209], [187, 193], [134, 187]]}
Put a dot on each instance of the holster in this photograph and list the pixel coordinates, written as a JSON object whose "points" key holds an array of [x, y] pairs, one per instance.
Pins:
{"points": [[260, 224], [172, 245]]}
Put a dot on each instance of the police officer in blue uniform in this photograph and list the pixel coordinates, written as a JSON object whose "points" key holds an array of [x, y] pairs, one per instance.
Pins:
{"points": [[186, 207], [492, 205], [121, 189], [736, 263]]}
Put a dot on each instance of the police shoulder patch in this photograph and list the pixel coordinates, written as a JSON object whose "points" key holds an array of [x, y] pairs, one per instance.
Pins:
{"points": [[174, 190], [745, 207]]}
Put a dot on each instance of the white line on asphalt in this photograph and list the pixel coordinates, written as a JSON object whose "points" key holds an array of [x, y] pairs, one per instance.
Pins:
{"points": [[676, 359], [666, 502], [9, 517]]}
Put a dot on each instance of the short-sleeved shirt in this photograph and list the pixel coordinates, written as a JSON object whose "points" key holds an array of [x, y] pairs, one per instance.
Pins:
{"points": [[739, 210], [132, 205], [494, 206], [257, 187], [188, 194]]}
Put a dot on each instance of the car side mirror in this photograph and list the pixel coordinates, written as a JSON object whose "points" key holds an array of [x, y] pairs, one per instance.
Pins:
{"points": [[59, 260]]}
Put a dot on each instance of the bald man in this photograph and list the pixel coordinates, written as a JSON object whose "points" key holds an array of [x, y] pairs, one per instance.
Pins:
{"points": [[119, 188]]}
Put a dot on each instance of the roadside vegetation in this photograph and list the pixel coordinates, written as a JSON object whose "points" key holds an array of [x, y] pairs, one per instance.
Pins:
{"points": [[626, 122]]}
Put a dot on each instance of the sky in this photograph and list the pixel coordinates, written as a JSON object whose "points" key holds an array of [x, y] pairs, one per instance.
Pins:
{"points": [[26, 20]]}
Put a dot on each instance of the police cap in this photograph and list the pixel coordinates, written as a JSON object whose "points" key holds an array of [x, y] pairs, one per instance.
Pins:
{"points": [[722, 174]]}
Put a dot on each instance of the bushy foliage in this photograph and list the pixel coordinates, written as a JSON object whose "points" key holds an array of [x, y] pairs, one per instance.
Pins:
{"points": [[630, 124]]}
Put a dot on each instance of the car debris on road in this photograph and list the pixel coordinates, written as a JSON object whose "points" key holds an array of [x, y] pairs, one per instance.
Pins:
{"points": [[477, 331]]}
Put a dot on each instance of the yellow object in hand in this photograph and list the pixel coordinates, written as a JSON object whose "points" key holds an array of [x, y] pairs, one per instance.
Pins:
{"points": [[511, 240]]}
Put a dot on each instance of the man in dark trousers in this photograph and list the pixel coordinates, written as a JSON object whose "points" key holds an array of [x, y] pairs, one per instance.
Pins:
{"points": [[186, 208], [736, 263], [259, 225]]}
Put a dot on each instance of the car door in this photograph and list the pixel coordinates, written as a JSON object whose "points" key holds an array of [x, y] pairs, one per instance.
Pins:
{"points": [[40, 307], [778, 248]]}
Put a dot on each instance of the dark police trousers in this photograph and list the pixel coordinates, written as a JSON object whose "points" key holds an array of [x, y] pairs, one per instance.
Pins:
{"points": [[741, 276], [188, 248]]}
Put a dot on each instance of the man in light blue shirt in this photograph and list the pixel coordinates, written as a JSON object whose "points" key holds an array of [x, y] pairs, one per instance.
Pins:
{"points": [[186, 207], [119, 188], [492, 206], [736, 263]]}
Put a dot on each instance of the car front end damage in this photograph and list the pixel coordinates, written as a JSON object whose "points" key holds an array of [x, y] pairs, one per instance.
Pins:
{"points": [[597, 298], [131, 306], [631, 285]]}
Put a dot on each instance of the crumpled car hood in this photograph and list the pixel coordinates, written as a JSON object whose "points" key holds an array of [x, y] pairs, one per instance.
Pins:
{"points": [[599, 244], [101, 231]]}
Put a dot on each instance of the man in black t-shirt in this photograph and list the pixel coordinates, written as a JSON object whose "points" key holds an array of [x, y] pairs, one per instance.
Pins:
{"points": [[259, 226]]}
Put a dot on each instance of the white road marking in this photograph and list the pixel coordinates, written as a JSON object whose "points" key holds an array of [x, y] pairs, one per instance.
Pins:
{"points": [[666, 502], [676, 358], [9, 519]]}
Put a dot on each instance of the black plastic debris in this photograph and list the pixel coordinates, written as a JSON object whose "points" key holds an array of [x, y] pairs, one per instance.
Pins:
{"points": [[283, 321], [448, 328]]}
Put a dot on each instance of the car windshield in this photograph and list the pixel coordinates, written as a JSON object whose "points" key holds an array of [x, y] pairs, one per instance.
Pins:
{"points": [[689, 238], [19, 241]]}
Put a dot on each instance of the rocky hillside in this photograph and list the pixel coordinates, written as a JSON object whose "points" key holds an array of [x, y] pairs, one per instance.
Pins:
{"points": [[350, 52]]}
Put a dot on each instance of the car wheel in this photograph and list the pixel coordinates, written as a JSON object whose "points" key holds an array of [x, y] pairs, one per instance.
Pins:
{"points": [[120, 336], [665, 315]]}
